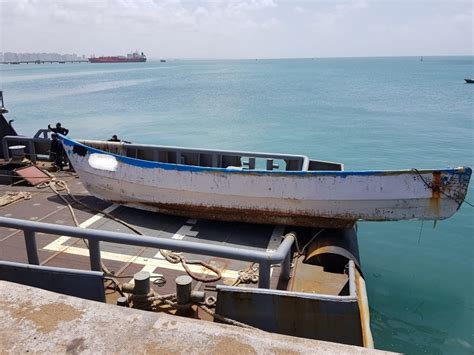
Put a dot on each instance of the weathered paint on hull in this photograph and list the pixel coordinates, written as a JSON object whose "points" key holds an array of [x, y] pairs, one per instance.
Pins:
{"points": [[313, 198]]}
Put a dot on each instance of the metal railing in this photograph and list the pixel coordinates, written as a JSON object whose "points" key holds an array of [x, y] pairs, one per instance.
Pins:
{"points": [[35, 146], [282, 256]]}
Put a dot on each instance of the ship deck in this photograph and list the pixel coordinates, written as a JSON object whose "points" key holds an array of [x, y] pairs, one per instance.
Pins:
{"points": [[121, 262], [44, 205]]}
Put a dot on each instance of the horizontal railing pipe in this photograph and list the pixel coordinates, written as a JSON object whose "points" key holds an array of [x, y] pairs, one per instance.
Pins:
{"points": [[268, 258]]}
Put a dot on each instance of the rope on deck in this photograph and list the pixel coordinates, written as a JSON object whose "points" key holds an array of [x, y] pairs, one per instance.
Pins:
{"points": [[57, 185]]}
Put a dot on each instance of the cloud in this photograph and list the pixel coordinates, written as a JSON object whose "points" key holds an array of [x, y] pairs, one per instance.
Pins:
{"points": [[271, 23], [170, 12], [351, 5], [299, 10], [252, 5], [338, 11], [234, 28]]}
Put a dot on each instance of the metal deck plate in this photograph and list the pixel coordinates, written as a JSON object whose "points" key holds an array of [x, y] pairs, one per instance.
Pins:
{"points": [[33, 175], [126, 260]]}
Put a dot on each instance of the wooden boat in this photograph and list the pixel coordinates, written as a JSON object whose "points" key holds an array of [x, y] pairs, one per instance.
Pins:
{"points": [[469, 81], [251, 187]]}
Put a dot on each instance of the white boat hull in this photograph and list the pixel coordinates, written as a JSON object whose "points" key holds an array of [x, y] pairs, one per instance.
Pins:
{"points": [[312, 198]]}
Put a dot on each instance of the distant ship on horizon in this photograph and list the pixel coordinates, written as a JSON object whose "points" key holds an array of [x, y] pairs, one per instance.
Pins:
{"points": [[130, 58]]}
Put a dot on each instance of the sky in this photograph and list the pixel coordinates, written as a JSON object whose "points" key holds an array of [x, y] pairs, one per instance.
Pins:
{"points": [[237, 29]]}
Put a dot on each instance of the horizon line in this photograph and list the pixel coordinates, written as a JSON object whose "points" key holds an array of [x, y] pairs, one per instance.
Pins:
{"points": [[315, 57]]}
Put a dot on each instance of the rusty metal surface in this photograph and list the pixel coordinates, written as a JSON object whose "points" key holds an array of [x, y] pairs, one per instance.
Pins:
{"points": [[333, 249], [242, 215], [335, 320], [33, 175], [364, 310], [313, 279]]}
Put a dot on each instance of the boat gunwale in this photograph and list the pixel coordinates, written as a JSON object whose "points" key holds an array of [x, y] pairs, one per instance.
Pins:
{"points": [[148, 164], [194, 150]]}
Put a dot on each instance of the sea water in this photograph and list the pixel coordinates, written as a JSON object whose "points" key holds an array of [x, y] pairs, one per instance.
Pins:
{"points": [[368, 113]]}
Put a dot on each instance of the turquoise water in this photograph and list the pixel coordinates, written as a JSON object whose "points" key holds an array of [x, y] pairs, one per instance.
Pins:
{"points": [[379, 113]]}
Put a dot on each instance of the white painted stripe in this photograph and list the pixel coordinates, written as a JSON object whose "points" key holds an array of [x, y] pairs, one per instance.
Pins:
{"points": [[87, 223], [184, 231], [98, 216], [58, 244], [148, 268], [150, 262], [159, 256]]}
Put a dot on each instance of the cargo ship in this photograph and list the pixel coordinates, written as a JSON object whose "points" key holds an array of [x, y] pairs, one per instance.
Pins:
{"points": [[130, 58]]}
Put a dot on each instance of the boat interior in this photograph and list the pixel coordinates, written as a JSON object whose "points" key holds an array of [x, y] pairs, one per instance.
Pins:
{"points": [[37, 147], [239, 160]]}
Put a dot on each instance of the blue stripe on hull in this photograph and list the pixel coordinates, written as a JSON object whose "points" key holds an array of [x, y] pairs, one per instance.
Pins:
{"points": [[463, 173]]}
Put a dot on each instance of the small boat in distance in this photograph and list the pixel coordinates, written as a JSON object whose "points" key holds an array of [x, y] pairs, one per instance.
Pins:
{"points": [[261, 187], [130, 58], [469, 81]]}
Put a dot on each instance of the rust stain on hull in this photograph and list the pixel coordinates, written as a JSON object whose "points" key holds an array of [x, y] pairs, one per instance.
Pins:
{"points": [[436, 185], [436, 193], [242, 215]]}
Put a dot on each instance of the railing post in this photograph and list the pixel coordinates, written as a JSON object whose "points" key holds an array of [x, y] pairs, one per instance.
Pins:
{"points": [[94, 255], [6, 153], [31, 151], [286, 267], [264, 275], [31, 249]]}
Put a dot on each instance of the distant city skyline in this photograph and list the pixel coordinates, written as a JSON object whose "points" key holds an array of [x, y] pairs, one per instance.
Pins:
{"points": [[23, 57], [238, 29]]}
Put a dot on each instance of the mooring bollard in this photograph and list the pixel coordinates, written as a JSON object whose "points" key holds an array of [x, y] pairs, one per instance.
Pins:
{"points": [[183, 289], [142, 283], [122, 301]]}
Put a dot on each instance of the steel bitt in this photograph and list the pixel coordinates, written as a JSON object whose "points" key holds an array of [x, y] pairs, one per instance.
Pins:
{"points": [[142, 283], [183, 289]]}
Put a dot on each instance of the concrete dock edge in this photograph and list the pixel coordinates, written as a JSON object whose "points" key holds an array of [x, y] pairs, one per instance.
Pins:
{"points": [[34, 320]]}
